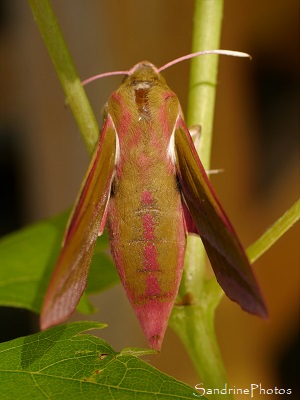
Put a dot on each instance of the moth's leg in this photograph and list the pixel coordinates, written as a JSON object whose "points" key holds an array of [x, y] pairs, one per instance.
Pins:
{"points": [[195, 132], [104, 112], [214, 171]]}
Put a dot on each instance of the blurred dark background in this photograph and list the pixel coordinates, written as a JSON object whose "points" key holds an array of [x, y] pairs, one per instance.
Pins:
{"points": [[256, 141]]}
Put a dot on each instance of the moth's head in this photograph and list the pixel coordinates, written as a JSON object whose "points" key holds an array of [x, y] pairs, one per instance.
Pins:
{"points": [[143, 66], [144, 72]]}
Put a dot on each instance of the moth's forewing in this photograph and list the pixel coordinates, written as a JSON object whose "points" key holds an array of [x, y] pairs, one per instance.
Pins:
{"points": [[227, 257], [69, 278]]}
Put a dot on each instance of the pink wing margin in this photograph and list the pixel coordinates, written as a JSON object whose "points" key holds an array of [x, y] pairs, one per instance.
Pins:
{"points": [[86, 221], [226, 255]]}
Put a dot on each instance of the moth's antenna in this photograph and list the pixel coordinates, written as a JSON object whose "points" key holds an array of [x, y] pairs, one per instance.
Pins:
{"points": [[201, 53], [105, 74], [187, 57]]}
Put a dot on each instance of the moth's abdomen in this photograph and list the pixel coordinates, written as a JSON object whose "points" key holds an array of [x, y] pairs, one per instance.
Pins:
{"points": [[146, 242], [147, 238]]}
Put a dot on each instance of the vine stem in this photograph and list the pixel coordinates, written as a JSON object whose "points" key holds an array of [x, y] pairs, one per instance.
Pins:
{"points": [[284, 223], [66, 71]]}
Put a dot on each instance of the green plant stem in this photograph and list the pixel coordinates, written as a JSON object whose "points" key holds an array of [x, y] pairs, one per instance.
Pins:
{"points": [[194, 320], [204, 72], [288, 219], [76, 98]]}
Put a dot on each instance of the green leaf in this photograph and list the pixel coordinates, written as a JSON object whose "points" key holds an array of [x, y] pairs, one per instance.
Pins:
{"points": [[85, 306], [28, 257], [103, 273], [61, 363]]}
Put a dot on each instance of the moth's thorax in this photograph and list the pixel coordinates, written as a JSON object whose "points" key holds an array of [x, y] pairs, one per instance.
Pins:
{"points": [[141, 93], [144, 106], [144, 76]]}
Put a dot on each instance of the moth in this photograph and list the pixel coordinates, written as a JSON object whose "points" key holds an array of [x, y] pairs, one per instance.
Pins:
{"points": [[147, 185]]}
